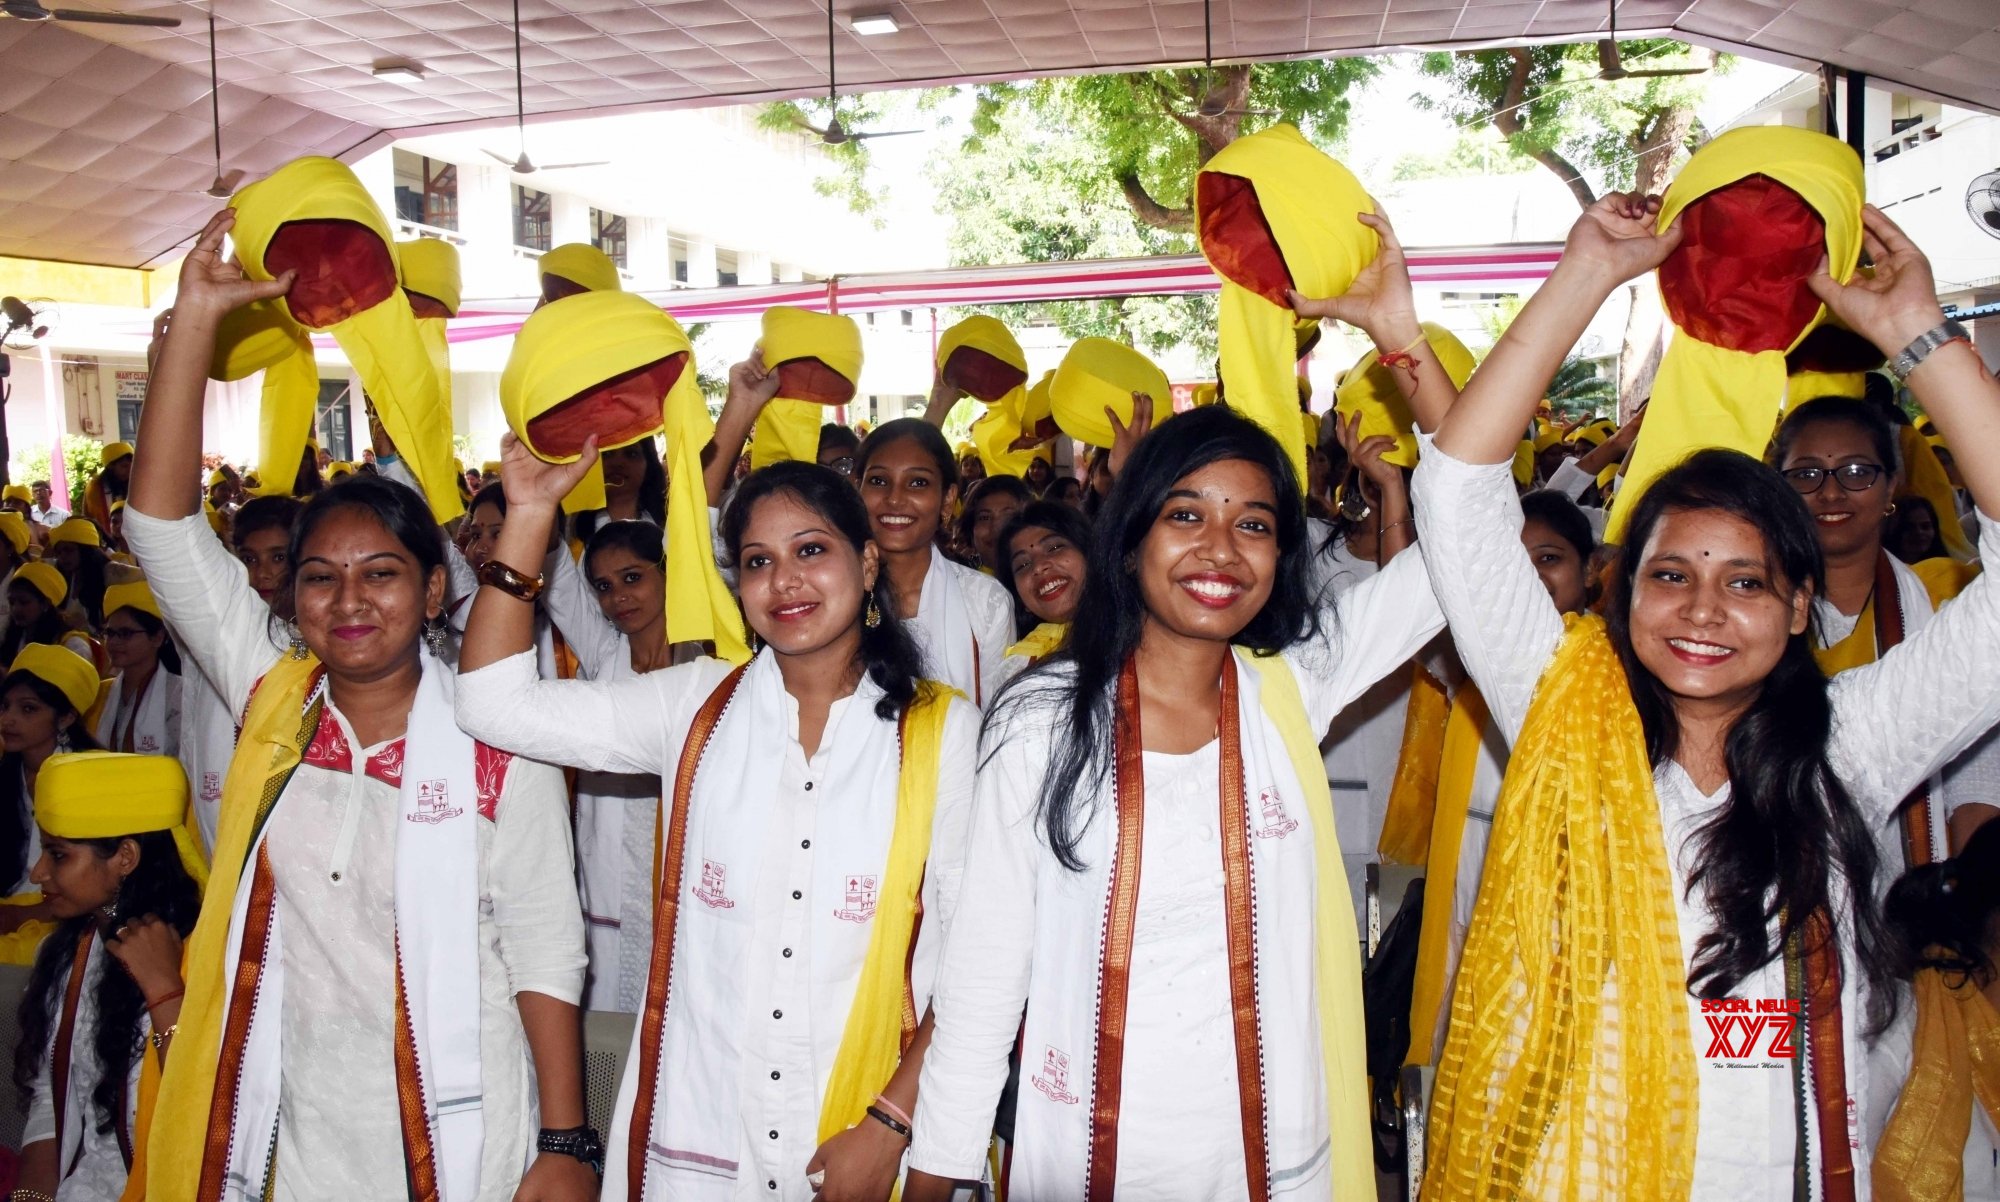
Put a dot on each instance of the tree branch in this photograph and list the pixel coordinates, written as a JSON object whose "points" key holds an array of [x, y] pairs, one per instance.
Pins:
{"points": [[1506, 118], [1150, 211]]}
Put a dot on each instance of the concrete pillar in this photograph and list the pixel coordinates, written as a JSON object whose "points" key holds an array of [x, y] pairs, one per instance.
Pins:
{"points": [[788, 273], [569, 218], [649, 252], [701, 263], [377, 173], [753, 267]]}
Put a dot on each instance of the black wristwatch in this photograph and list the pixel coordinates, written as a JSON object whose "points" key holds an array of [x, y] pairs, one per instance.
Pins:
{"points": [[579, 1142]]}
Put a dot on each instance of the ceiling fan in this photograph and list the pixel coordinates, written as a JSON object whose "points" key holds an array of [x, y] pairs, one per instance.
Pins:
{"points": [[223, 187], [1611, 68], [32, 10], [523, 165], [1212, 104], [836, 134]]}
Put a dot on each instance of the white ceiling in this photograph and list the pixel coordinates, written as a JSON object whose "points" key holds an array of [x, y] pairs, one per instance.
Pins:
{"points": [[104, 130]]}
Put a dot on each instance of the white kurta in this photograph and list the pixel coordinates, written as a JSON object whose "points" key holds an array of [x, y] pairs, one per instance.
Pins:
{"points": [[1894, 723], [963, 627], [332, 842], [1025, 924], [779, 1016], [153, 726], [100, 1173]]}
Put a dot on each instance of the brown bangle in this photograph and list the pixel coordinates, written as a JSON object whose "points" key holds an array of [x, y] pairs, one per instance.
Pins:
{"points": [[156, 1003], [515, 584]]}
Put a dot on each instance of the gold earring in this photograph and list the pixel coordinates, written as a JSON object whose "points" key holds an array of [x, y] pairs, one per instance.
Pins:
{"points": [[873, 617], [1889, 512]]}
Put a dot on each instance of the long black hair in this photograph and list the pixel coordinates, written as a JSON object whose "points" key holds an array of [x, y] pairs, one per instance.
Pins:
{"points": [[86, 585], [16, 812], [652, 494], [1110, 614], [1942, 914], [1054, 517], [888, 654], [1789, 826], [49, 628], [158, 886]]}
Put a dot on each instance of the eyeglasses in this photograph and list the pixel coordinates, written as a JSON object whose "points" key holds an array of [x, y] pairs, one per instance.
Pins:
{"points": [[844, 465], [118, 634], [1854, 477]]}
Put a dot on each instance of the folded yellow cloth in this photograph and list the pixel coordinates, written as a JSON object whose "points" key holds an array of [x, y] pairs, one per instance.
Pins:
{"points": [[1099, 374], [818, 360], [134, 594], [73, 676], [582, 265], [76, 530], [44, 579]]}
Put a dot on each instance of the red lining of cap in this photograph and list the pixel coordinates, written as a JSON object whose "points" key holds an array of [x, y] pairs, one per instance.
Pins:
{"points": [[1738, 279], [984, 375], [810, 379], [1238, 239], [344, 267], [619, 410]]}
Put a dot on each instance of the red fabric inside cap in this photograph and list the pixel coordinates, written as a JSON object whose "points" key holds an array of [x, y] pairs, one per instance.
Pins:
{"points": [[619, 410], [344, 269], [1237, 238], [426, 306], [1738, 279], [983, 375], [555, 288], [812, 380]]}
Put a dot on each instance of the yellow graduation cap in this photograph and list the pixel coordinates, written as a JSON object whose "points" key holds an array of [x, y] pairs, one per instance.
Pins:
{"points": [[72, 675], [44, 579], [81, 531], [109, 795], [581, 265], [1274, 212], [313, 216], [14, 528], [818, 360], [135, 594], [1099, 374], [1759, 207], [1370, 389], [981, 356]]}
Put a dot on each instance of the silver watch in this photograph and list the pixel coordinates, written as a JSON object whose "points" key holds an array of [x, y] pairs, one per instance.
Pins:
{"points": [[1906, 362]]}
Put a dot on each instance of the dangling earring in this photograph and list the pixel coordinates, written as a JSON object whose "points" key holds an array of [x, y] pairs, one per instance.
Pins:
{"points": [[298, 640], [434, 636], [109, 910], [1890, 512], [873, 616], [62, 740]]}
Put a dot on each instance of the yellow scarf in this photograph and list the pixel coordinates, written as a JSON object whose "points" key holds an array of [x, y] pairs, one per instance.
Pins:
{"points": [[1942, 580], [1041, 640], [1577, 893], [1957, 1059], [1273, 209], [188, 1115], [1465, 731], [981, 355], [1342, 1033], [883, 1019], [430, 269], [262, 337], [1413, 796]]}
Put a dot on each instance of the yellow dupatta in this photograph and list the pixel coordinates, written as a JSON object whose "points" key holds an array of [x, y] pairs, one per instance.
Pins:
{"points": [[1342, 1033], [1413, 794], [1041, 640], [1552, 1082], [1464, 733], [1956, 1060]]}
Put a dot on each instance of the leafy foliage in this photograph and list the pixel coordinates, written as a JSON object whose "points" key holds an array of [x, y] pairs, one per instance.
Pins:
{"points": [[83, 458]]}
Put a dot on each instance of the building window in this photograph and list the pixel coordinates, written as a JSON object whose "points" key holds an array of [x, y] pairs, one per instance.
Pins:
{"points": [[336, 435], [531, 218], [678, 249], [607, 233], [725, 267], [426, 190]]}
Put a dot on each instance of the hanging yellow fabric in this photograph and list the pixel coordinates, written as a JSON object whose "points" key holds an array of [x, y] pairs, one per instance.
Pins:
{"points": [[1041, 640], [1735, 290], [613, 365], [875, 1036], [1458, 762], [1413, 794], [313, 215], [818, 360], [1554, 1083], [1098, 374], [262, 337], [981, 357], [1273, 212], [1336, 968], [1955, 1062], [431, 277], [1370, 389]]}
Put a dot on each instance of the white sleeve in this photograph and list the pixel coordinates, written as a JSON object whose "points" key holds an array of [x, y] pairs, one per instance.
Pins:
{"points": [[958, 753], [1504, 624], [1900, 719], [218, 620], [575, 612], [1974, 777], [982, 985], [1570, 480], [993, 626], [602, 726], [1365, 633], [460, 583], [534, 905], [41, 1123]]}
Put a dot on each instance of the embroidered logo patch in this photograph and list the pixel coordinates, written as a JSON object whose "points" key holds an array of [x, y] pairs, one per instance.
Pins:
{"points": [[1272, 821], [1053, 1080], [148, 745], [1750, 1032], [434, 803], [860, 900], [714, 885], [211, 786]]}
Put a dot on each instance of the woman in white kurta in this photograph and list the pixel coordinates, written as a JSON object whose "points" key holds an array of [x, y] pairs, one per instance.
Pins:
{"points": [[792, 836], [1149, 803], [373, 862], [1709, 615], [142, 710], [961, 618]]}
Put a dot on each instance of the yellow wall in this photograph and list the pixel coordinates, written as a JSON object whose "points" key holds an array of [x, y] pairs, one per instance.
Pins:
{"points": [[81, 284]]}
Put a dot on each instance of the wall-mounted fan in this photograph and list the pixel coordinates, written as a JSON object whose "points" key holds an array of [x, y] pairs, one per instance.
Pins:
{"points": [[1982, 202], [25, 323], [31, 10]]}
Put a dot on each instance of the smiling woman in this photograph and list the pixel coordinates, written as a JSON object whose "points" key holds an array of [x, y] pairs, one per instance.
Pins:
{"points": [[1197, 677], [402, 891]]}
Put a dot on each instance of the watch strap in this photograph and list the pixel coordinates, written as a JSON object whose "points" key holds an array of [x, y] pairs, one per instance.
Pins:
{"points": [[1920, 349]]}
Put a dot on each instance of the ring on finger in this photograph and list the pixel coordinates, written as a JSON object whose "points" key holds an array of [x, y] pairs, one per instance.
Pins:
{"points": [[816, 1178]]}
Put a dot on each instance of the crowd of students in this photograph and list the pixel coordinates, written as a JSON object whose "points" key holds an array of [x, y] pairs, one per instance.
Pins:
{"points": [[954, 820]]}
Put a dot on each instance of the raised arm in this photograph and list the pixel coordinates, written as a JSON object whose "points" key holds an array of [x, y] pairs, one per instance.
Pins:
{"points": [[166, 473], [1381, 305], [1612, 242], [751, 387], [502, 624]]}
